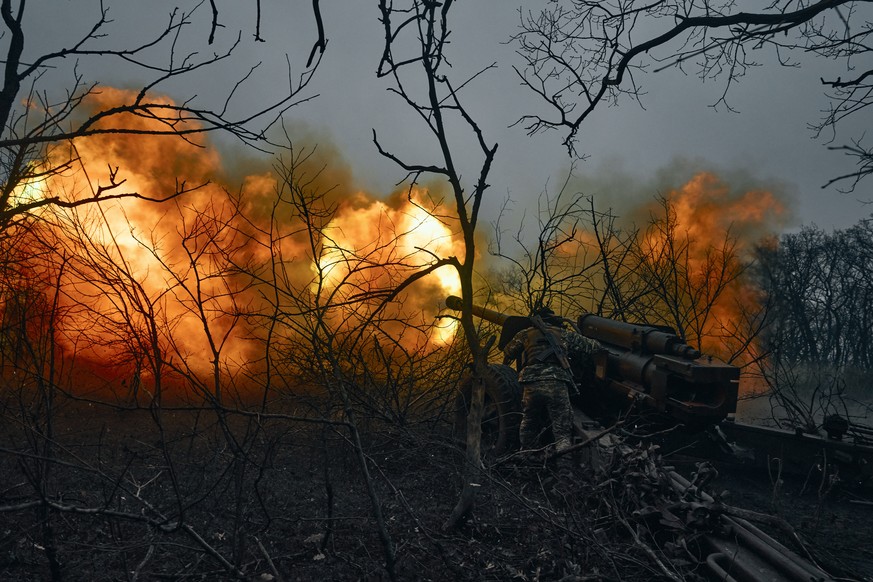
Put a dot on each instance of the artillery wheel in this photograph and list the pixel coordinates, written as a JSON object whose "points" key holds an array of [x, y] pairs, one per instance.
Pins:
{"points": [[501, 415]]}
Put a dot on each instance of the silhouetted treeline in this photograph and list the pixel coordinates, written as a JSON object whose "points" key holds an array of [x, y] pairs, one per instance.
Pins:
{"points": [[820, 289]]}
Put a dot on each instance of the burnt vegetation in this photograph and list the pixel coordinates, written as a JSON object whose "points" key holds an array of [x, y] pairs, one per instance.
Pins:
{"points": [[240, 392]]}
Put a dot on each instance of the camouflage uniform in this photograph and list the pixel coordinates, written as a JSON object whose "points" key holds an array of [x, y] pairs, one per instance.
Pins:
{"points": [[545, 382]]}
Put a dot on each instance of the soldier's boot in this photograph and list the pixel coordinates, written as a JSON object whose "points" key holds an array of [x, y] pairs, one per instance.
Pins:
{"points": [[562, 444], [565, 462]]}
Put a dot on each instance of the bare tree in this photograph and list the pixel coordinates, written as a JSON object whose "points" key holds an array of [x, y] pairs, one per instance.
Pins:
{"points": [[41, 112], [579, 54], [556, 268], [818, 338], [620, 288], [31, 365], [583, 260], [821, 284], [329, 307], [685, 278], [106, 302], [424, 27]]}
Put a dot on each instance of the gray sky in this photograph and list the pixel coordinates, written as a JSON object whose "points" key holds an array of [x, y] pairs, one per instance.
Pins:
{"points": [[768, 139]]}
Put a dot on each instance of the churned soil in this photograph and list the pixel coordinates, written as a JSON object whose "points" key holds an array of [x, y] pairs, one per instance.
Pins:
{"points": [[195, 498]]}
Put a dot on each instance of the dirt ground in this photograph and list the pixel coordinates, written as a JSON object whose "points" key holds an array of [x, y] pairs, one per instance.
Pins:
{"points": [[299, 508]]}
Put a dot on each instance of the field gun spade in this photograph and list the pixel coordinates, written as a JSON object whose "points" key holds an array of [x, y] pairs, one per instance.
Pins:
{"points": [[647, 364]]}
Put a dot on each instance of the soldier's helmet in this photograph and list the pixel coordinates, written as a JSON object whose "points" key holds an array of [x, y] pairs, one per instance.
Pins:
{"points": [[549, 317]]}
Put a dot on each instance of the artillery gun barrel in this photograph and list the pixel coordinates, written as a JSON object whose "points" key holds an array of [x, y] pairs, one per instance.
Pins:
{"points": [[509, 324], [454, 302]]}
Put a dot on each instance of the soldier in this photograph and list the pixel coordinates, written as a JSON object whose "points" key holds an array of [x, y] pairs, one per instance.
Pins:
{"points": [[543, 353]]}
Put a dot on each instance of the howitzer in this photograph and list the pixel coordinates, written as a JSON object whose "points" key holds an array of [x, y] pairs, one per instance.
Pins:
{"points": [[643, 363], [653, 365]]}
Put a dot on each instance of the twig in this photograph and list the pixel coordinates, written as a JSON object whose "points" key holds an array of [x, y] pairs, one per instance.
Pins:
{"points": [[143, 562], [649, 551], [269, 560], [586, 442]]}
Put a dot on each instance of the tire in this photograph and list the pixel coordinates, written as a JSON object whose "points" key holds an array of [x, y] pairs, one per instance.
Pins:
{"points": [[501, 414]]}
